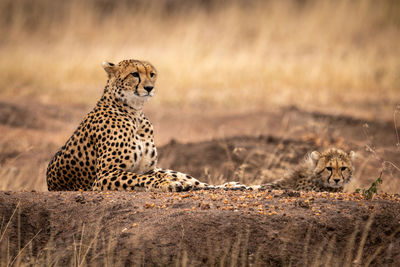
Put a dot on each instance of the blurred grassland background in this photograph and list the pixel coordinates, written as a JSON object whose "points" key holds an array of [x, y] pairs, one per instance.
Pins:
{"points": [[336, 55]]}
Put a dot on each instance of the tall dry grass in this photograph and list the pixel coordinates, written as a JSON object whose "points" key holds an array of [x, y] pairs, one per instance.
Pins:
{"points": [[93, 245], [233, 55], [230, 54]]}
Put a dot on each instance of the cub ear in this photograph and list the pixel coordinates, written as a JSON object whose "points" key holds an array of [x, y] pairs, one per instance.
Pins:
{"points": [[315, 155], [352, 155], [110, 68]]}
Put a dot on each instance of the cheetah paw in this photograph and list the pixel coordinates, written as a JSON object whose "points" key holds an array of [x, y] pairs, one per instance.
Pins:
{"points": [[232, 186], [177, 186]]}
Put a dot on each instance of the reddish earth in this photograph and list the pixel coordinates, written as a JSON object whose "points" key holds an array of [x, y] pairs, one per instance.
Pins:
{"points": [[205, 227]]}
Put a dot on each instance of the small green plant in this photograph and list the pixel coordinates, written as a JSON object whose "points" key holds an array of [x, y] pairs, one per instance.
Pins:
{"points": [[372, 190]]}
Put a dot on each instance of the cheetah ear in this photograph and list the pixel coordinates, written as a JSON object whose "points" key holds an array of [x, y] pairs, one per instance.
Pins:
{"points": [[315, 155], [352, 155], [110, 68]]}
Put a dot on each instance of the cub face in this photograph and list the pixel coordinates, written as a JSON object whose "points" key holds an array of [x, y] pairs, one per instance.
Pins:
{"points": [[132, 80], [334, 167]]}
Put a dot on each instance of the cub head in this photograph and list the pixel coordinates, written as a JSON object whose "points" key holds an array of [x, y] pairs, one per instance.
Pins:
{"points": [[333, 167], [131, 81]]}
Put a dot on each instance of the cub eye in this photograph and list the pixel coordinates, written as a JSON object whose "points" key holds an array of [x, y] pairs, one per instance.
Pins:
{"points": [[152, 74], [343, 168], [329, 168], [135, 74]]}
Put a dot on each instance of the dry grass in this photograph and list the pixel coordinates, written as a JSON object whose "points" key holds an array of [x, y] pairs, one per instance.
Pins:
{"points": [[93, 245], [332, 54], [339, 56]]}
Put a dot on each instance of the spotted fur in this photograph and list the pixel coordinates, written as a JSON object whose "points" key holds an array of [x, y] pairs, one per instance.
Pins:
{"points": [[113, 147], [327, 171]]}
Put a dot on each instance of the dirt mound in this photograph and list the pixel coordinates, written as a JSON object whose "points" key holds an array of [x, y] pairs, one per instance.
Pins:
{"points": [[32, 114], [379, 132], [197, 228], [16, 116]]}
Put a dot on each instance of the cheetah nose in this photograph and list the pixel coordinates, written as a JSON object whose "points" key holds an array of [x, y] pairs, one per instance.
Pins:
{"points": [[148, 88], [336, 180]]}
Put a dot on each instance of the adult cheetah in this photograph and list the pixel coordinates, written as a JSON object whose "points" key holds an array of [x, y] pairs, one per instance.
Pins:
{"points": [[328, 171], [113, 147]]}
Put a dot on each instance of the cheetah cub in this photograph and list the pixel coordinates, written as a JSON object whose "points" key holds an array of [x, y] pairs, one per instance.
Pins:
{"points": [[327, 171], [113, 147]]}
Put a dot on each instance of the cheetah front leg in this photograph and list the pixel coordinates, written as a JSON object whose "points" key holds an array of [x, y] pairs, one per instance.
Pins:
{"points": [[155, 180], [167, 177], [190, 183]]}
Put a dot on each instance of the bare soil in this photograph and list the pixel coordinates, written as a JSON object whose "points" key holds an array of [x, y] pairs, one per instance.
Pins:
{"points": [[274, 228]]}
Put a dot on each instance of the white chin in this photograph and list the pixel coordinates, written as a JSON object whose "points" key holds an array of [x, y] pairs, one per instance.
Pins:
{"points": [[136, 101], [144, 96]]}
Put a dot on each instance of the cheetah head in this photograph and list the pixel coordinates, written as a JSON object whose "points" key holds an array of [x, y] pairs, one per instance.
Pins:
{"points": [[334, 167], [131, 81]]}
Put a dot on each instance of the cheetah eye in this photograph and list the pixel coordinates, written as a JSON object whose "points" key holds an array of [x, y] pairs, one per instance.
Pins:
{"points": [[343, 168], [135, 74], [329, 168], [152, 74]]}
